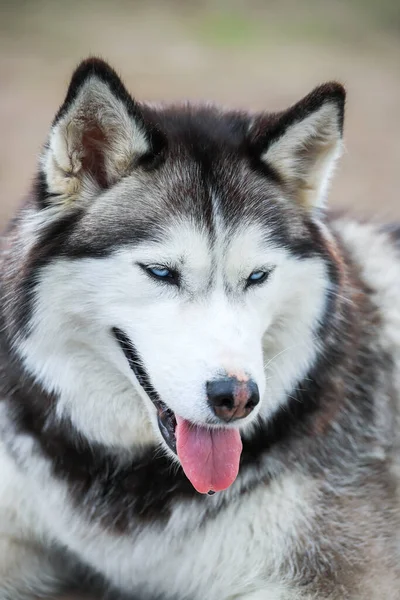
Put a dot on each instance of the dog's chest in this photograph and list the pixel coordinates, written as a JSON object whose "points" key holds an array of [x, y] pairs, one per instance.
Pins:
{"points": [[238, 548]]}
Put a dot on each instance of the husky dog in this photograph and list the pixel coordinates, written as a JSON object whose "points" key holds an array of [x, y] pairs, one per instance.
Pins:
{"points": [[200, 368]]}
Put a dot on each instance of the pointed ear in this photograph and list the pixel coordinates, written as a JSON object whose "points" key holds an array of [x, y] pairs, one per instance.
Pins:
{"points": [[96, 136], [302, 144]]}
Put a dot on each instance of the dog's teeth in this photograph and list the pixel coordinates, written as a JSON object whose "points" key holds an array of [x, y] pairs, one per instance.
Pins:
{"points": [[211, 493]]}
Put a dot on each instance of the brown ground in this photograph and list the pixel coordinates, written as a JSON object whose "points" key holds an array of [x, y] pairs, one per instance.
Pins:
{"points": [[262, 55]]}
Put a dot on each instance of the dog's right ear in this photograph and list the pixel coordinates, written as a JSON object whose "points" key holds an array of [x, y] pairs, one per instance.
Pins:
{"points": [[96, 138]]}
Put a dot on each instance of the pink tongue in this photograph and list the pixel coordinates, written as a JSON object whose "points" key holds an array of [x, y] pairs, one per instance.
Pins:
{"points": [[210, 458]]}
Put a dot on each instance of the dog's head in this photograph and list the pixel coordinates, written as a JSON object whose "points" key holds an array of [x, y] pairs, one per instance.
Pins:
{"points": [[174, 266]]}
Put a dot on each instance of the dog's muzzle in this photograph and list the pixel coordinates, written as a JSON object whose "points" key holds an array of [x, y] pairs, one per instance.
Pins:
{"points": [[230, 401]]}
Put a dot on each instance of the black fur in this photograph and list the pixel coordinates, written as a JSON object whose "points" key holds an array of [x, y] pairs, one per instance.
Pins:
{"points": [[121, 495], [210, 147], [145, 488], [97, 68], [41, 192], [270, 128]]}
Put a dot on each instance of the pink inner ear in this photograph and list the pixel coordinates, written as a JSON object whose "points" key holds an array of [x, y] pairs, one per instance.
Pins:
{"points": [[94, 143]]}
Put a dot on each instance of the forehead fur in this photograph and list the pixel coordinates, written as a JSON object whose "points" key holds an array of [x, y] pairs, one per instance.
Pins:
{"points": [[116, 171], [205, 174]]}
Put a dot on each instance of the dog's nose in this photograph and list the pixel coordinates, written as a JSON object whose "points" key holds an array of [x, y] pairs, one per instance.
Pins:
{"points": [[232, 399]]}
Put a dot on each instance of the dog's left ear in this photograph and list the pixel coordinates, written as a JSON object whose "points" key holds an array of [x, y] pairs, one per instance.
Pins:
{"points": [[97, 136], [302, 144]]}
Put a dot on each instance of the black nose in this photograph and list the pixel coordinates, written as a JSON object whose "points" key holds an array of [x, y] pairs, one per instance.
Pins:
{"points": [[232, 399]]}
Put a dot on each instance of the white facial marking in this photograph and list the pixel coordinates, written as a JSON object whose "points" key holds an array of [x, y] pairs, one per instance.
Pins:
{"points": [[210, 326]]}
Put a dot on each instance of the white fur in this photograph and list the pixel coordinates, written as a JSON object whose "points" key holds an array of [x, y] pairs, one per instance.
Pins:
{"points": [[309, 171], [95, 106], [266, 332], [371, 250], [22, 532], [212, 562]]}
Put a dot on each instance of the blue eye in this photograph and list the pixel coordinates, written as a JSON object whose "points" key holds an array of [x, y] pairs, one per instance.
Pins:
{"points": [[257, 277], [162, 273]]}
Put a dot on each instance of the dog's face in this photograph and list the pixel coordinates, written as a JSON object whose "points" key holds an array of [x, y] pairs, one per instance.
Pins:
{"points": [[181, 264]]}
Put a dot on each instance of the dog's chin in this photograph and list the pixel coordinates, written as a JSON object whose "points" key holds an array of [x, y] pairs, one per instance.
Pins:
{"points": [[165, 416]]}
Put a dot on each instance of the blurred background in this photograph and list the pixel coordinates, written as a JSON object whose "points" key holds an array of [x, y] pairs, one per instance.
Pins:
{"points": [[258, 54]]}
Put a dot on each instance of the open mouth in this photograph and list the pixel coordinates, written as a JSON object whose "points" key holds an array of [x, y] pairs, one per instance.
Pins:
{"points": [[210, 457], [165, 416]]}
